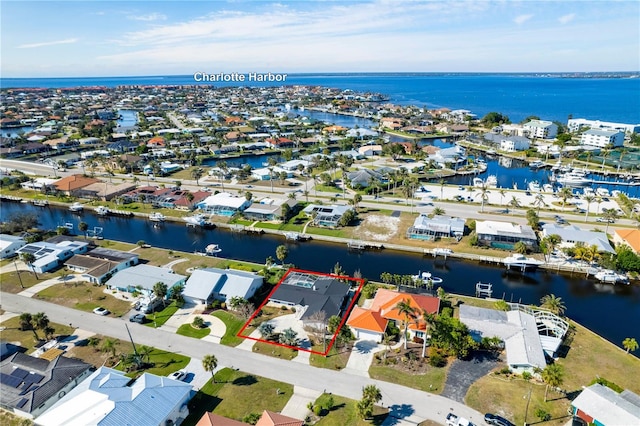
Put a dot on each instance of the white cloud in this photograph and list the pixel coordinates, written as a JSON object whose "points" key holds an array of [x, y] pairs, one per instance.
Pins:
{"points": [[149, 17], [48, 43], [521, 19], [565, 19]]}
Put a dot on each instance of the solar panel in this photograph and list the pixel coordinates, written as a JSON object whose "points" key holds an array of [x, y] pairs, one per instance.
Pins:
{"points": [[28, 387], [33, 378], [19, 372], [21, 403], [8, 380]]}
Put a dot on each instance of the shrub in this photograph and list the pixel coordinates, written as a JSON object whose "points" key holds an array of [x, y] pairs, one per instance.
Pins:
{"points": [[317, 410], [437, 360], [607, 383], [252, 418], [284, 308], [505, 371], [526, 375], [542, 414], [198, 322]]}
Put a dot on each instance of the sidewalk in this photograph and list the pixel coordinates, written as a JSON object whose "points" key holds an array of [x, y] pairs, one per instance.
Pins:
{"points": [[32, 291], [297, 405]]}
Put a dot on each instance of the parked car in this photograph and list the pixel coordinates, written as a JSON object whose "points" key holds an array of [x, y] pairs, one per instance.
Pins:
{"points": [[139, 318], [496, 420], [605, 220], [178, 375], [101, 311]]}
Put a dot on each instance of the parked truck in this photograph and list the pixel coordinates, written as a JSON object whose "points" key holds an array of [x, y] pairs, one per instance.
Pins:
{"points": [[453, 420]]}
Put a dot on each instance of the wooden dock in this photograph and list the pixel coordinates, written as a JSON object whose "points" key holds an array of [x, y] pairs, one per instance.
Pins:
{"points": [[363, 245]]}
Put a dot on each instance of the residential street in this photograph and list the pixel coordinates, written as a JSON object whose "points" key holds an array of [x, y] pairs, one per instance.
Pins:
{"points": [[404, 402]]}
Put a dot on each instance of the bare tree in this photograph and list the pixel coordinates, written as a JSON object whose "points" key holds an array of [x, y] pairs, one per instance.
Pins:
{"points": [[318, 326]]}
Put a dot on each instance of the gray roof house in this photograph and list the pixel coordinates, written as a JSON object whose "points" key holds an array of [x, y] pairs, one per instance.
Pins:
{"points": [[144, 277], [28, 385], [310, 294], [9, 244], [571, 235], [326, 215], [597, 404], [427, 228], [364, 177], [100, 264], [205, 285], [504, 235]]}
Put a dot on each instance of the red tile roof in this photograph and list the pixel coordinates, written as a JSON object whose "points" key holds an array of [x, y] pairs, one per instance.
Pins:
{"points": [[210, 419], [74, 182], [364, 319], [269, 418]]}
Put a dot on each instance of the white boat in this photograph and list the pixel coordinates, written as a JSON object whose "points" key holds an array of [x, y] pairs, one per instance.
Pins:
{"points": [[534, 186], [520, 261], [156, 217], [492, 181], [442, 251], [537, 164], [556, 167], [587, 191], [102, 210], [603, 192], [76, 207], [212, 249], [427, 278], [573, 178], [547, 187], [611, 277], [195, 220], [478, 182]]}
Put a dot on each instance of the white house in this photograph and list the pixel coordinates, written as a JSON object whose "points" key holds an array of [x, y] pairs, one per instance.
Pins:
{"points": [[109, 398], [602, 138], [572, 234], [541, 129], [223, 204], [143, 278], [576, 124], [205, 285], [100, 264], [514, 143], [600, 405], [49, 256], [9, 244]]}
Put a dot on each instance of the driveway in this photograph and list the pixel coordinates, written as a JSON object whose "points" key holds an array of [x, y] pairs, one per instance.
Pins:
{"points": [[362, 356], [463, 373]]}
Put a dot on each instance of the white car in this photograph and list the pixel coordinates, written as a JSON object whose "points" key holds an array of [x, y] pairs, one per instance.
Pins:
{"points": [[178, 375], [101, 311]]}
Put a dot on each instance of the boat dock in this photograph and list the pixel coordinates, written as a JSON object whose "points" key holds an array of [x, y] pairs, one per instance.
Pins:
{"points": [[296, 236], [363, 245], [483, 289], [40, 203]]}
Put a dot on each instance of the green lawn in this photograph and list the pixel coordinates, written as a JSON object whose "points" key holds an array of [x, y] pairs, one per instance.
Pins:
{"points": [[237, 394], [165, 362], [233, 325], [11, 333], [14, 282], [339, 233], [274, 350], [190, 331], [344, 413], [432, 381], [336, 359], [85, 297], [9, 419], [157, 319]]}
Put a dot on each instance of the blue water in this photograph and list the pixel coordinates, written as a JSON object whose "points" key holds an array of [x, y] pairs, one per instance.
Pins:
{"points": [[128, 119], [516, 95]]}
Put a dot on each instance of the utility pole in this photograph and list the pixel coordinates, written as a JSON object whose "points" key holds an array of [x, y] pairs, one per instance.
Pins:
{"points": [[526, 410], [18, 272]]}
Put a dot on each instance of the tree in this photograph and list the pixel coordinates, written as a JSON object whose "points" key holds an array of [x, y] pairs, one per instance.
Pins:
{"points": [[28, 259], [552, 375], [609, 216], [514, 202], [553, 304], [493, 118], [533, 220], [266, 329], [370, 396], [83, 227], [40, 321], [356, 200], [198, 322], [589, 199], [288, 337], [334, 323], [484, 196], [438, 211], [565, 194], [109, 345], [630, 344], [520, 247], [539, 202], [196, 174], [282, 252], [210, 363], [160, 290], [26, 323], [404, 308]]}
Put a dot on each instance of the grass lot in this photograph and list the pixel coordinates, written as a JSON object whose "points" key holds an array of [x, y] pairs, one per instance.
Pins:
{"points": [[9, 419], [118, 245], [257, 394], [589, 356], [338, 233], [10, 282], [164, 363], [157, 319], [271, 349], [233, 325], [344, 413], [190, 331], [435, 377], [84, 296], [336, 359], [11, 333]]}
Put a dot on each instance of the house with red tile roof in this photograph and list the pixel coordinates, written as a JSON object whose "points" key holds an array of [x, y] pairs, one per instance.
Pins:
{"points": [[628, 237], [268, 418], [371, 322], [280, 142], [157, 141], [70, 185]]}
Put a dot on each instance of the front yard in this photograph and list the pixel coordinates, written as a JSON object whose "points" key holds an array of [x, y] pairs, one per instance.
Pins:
{"points": [[12, 333], [84, 296], [344, 412]]}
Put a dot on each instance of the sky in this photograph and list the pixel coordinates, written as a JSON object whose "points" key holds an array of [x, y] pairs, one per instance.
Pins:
{"points": [[135, 38]]}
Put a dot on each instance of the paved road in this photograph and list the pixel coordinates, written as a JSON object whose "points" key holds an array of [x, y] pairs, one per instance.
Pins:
{"points": [[403, 402]]}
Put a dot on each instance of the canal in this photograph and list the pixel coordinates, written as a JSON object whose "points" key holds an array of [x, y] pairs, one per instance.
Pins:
{"points": [[611, 311]]}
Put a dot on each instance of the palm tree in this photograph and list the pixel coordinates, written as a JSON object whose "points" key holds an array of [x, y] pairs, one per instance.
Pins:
{"points": [[514, 202], [26, 323], [552, 376], [552, 241], [520, 247], [604, 153], [28, 259], [83, 227], [609, 216], [589, 199], [210, 363], [288, 337], [565, 194], [371, 393], [630, 344], [623, 152], [429, 320], [539, 202], [109, 345], [438, 211], [145, 352], [40, 321], [441, 181], [196, 174], [222, 165], [553, 304], [160, 290], [404, 308], [502, 194], [484, 196], [282, 252]]}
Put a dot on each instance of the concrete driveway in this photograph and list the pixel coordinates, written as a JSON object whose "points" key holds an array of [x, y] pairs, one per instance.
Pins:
{"points": [[362, 356], [463, 373]]}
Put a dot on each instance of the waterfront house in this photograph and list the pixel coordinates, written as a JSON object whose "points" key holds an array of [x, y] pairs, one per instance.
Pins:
{"points": [[9, 244], [280, 143], [602, 138], [514, 143], [223, 204], [370, 323], [70, 185], [269, 208], [29, 386], [363, 178], [628, 237], [328, 216], [541, 129], [50, 255], [370, 150], [572, 234], [99, 264], [142, 278], [430, 228], [108, 397], [310, 294], [104, 191], [602, 406], [575, 124], [504, 235], [209, 284]]}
